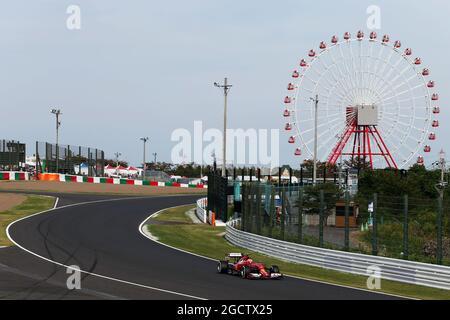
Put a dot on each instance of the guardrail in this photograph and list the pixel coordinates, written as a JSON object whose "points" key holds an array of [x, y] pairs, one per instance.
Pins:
{"points": [[200, 211], [424, 274]]}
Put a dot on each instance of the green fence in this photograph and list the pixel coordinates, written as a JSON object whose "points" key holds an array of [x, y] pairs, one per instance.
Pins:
{"points": [[398, 227]]}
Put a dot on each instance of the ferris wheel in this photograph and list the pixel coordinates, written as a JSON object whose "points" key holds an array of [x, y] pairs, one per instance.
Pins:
{"points": [[362, 98]]}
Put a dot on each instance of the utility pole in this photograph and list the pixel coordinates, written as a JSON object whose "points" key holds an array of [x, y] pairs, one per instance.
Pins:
{"points": [[440, 187], [316, 104], [117, 155], [213, 155], [144, 166], [226, 88], [442, 166], [57, 113]]}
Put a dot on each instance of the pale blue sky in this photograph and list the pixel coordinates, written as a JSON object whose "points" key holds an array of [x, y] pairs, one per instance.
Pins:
{"points": [[146, 68]]}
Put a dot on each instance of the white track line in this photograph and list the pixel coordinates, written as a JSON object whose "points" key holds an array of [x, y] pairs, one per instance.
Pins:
{"points": [[87, 272], [56, 203], [141, 226]]}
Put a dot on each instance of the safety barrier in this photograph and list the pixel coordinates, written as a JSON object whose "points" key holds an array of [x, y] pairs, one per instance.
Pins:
{"points": [[424, 274], [85, 179], [201, 211], [14, 175]]}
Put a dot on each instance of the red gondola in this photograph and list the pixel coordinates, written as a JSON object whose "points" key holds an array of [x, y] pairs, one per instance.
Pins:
{"points": [[436, 110], [360, 35], [291, 87], [430, 84], [295, 74], [385, 39], [287, 100], [397, 44], [288, 127], [420, 161], [417, 61], [432, 136], [373, 35], [291, 139], [286, 113], [323, 45], [426, 72], [427, 149], [311, 53], [435, 124], [434, 97], [303, 63], [298, 152], [334, 39], [408, 52], [347, 36]]}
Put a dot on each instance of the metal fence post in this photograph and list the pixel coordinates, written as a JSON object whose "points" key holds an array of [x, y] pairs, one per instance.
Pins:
{"points": [[271, 212], [243, 213], [374, 226], [79, 159], [290, 181], [405, 228], [283, 210], [248, 201], [300, 216], [439, 232], [89, 162], [251, 207], [279, 176], [47, 157], [321, 213], [224, 199], [258, 208], [347, 222], [324, 174]]}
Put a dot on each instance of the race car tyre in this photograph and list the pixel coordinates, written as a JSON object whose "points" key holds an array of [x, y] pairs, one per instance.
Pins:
{"points": [[274, 269], [244, 272], [222, 267]]}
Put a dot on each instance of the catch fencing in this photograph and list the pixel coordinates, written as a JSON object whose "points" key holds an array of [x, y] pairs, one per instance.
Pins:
{"points": [[69, 159], [12, 155], [396, 227]]}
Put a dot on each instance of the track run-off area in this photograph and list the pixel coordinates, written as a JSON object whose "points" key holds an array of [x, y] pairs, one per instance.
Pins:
{"points": [[101, 236]]}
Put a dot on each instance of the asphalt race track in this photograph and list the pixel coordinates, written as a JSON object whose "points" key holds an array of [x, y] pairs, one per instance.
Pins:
{"points": [[102, 238]]}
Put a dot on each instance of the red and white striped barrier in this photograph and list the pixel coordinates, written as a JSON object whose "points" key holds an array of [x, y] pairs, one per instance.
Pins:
{"points": [[103, 180], [14, 175]]}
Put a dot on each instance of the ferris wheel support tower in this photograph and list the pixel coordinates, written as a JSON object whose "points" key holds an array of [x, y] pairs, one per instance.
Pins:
{"points": [[361, 127]]}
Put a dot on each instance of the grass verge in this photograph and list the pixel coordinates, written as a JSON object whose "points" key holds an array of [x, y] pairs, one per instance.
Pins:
{"points": [[210, 242], [31, 205]]}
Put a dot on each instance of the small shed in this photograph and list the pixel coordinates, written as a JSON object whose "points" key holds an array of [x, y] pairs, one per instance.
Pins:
{"points": [[353, 212]]}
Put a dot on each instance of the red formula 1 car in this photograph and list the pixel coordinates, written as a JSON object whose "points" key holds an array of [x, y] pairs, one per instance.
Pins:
{"points": [[243, 265]]}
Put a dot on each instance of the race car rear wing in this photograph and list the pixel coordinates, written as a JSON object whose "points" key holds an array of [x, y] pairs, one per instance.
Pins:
{"points": [[235, 255]]}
